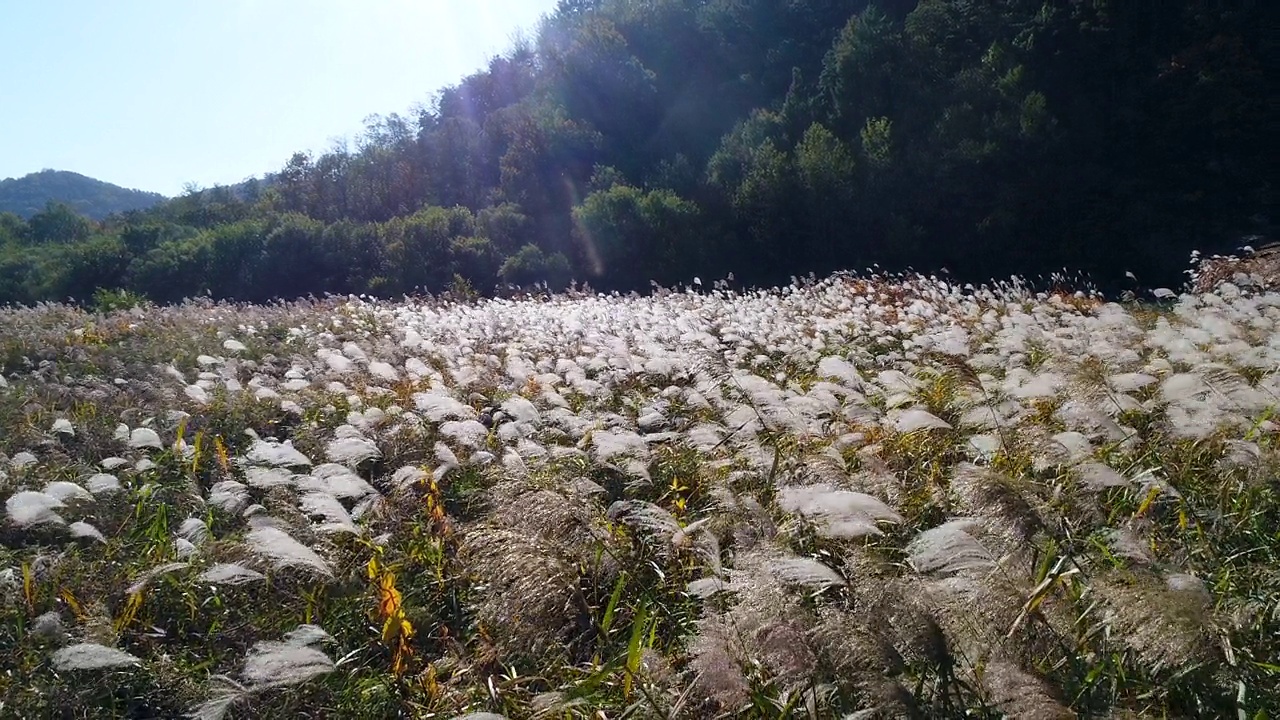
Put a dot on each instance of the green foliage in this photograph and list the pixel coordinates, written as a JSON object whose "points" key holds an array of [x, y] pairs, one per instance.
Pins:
{"points": [[827, 171], [531, 265], [172, 270], [419, 246], [505, 226], [58, 223], [638, 236], [877, 142], [291, 257], [795, 137]]}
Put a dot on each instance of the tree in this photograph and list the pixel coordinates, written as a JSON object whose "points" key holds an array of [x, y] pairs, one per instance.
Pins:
{"points": [[58, 223], [354, 256], [506, 227], [293, 260], [860, 75], [88, 266], [531, 265], [826, 170], [12, 228], [236, 259], [172, 270], [628, 237], [602, 85], [419, 247]]}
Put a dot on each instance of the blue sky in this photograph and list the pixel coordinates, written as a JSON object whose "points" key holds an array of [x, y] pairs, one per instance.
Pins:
{"points": [[153, 94]]}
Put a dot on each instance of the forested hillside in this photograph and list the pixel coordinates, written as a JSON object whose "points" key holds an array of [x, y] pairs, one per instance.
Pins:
{"points": [[30, 194], [635, 141]]}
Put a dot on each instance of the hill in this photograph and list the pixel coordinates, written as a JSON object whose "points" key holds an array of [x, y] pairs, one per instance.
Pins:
{"points": [[29, 194], [638, 141]]}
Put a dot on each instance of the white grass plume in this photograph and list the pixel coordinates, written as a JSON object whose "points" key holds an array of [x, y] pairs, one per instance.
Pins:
{"points": [[22, 460], [437, 406], [216, 708], [837, 513], [606, 445], [92, 656], [28, 507], [528, 587], [852, 646], [153, 573], [143, 437], [283, 551], [194, 530], [1098, 476], [63, 491], [706, 587], [229, 496], [267, 478], [230, 574], [840, 369], [1166, 625], [783, 648], [82, 529], [352, 451], [446, 459], [986, 492], [276, 454], [568, 517], [336, 480], [271, 664], [99, 483], [916, 420], [718, 676], [645, 515], [336, 518], [288, 662], [806, 572], [1019, 694], [949, 548]]}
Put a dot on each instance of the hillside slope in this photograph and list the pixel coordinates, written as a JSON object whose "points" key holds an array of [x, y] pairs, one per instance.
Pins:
{"points": [[29, 194], [639, 141]]}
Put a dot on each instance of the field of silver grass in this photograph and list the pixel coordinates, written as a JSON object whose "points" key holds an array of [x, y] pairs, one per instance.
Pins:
{"points": [[858, 497]]}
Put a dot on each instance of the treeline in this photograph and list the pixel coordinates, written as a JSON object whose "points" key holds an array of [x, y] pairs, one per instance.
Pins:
{"points": [[639, 140]]}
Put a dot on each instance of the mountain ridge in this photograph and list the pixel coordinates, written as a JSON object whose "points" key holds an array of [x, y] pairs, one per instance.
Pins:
{"points": [[94, 198]]}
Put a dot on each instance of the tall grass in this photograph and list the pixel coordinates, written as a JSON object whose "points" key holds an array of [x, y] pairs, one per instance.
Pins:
{"points": [[856, 497]]}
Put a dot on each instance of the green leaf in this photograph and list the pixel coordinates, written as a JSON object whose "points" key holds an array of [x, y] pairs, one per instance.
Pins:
{"points": [[638, 628], [611, 608]]}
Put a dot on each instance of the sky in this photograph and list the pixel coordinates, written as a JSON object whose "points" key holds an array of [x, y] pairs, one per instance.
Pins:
{"points": [[155, 94]]}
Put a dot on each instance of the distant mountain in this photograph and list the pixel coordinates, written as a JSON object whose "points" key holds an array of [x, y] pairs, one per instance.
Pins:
{"points": [[29, 194]]}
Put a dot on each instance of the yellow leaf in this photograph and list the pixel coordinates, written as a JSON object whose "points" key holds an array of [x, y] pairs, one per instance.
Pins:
{"points": [[74, 604], [429, 682], [28, 585], [197, 449], [223, 460], [1146, 503], [131, 608], [389, 596]]}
